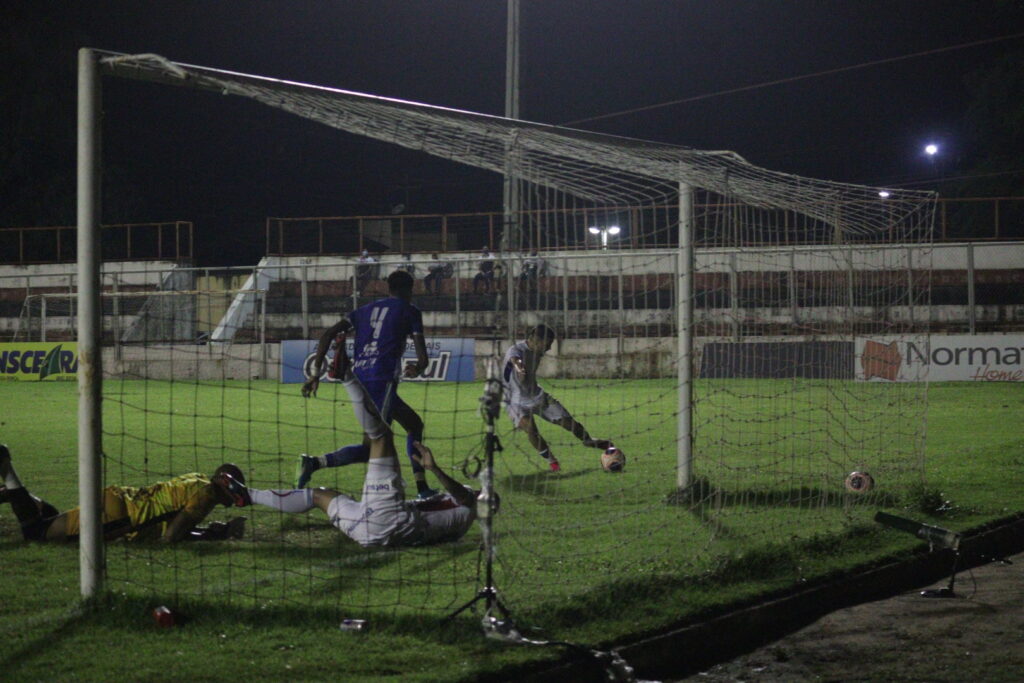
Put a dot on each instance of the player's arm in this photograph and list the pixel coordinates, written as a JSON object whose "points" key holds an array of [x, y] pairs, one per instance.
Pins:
{"points": [[415, 322], [517, 363], [343, 326], [178, 529], [416, 369], [460, 493]]}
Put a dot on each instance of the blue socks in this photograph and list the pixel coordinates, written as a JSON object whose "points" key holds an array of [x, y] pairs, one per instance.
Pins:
{"points": [[347, 456], [410, 450]]}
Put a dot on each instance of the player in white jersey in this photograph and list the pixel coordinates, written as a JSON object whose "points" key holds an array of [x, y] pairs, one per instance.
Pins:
{"points": [[383, 517], [524, 398]]}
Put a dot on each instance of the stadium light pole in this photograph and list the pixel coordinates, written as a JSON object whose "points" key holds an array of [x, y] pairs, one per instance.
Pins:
{"points": [[684, 349], [90, 366]]}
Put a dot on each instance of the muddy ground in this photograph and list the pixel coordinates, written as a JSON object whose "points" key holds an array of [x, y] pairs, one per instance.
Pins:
{"points": [[976, 636]]}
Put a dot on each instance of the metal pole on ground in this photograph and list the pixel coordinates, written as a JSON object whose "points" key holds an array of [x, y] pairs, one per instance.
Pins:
{"points": [[684, 307], [90, 366]]}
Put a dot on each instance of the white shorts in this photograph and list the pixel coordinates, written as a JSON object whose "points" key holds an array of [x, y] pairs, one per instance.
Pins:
{"points": [[381, 514], [545, 405]]}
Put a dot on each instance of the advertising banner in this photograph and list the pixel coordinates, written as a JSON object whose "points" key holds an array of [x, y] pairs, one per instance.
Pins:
{"points": [[35, 361], [777, 360], [451, 360], [940, 358]]}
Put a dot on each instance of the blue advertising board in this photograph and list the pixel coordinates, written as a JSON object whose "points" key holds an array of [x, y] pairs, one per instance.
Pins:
{"points": [[451, 360]]}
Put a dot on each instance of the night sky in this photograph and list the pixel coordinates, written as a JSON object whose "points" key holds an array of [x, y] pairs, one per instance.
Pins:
{"points": [[226, 164]]}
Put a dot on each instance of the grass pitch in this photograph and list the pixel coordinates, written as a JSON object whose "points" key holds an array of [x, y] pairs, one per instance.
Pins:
{"points": [[589, 557]]}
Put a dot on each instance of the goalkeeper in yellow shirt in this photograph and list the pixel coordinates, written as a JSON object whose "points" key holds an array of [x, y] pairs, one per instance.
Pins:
{"points": [[167, 511]]}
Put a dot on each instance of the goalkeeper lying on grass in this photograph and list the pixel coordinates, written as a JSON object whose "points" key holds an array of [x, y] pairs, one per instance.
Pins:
{"points": [[383, 517], [167, 511]]}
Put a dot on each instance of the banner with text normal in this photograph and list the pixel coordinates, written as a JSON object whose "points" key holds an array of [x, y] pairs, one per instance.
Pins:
{"points": [[941, 358], [451, 360], [35, 361]]}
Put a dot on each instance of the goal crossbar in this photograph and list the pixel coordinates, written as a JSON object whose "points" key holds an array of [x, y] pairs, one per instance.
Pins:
{"points": [[540, 153]]}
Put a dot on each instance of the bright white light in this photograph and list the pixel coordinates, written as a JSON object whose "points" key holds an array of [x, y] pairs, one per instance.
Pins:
{"points": [[931, 149], [604, 232], [884, 194]]}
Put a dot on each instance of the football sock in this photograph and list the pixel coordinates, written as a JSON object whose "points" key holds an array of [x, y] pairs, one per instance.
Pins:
{"points": [[410, 450], [546, 454], [24, 507], [9, 475], [345, 456], [285, 500]]}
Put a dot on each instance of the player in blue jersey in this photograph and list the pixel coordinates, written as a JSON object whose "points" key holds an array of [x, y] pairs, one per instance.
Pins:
{"points": [[381, 329], [382, 517]]}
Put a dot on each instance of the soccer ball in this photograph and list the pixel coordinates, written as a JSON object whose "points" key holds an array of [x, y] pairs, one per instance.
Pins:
{"points": [[859, 482], [613, 460]]}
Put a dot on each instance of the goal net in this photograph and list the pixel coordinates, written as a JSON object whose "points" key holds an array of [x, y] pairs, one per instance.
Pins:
{"points": [[735, 331]]}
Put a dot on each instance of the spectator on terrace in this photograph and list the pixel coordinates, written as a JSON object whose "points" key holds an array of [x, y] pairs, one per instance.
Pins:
{"points": [[366, 270], [407, 265], [437, 271], [533, 267], [484, 278]]}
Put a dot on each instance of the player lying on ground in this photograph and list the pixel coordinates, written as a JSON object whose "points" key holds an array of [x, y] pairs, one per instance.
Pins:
{"points": [[167, 511], [524, 398], [383, 517], [380, 330]]}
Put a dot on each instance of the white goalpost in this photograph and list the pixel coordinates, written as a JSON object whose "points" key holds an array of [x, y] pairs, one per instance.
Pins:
{"points": [[708, 318]]}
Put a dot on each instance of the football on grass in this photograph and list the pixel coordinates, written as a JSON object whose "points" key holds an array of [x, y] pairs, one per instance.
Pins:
{"points": [[859, 482], [613, 460]]}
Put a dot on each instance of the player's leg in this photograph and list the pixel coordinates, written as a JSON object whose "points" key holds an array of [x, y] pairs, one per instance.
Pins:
{"points": [[529, 425], [412, 423], [580, 432], [346, 455], [113, 517], [555, 412], [292, 501], [295, 501], [382, 397], [33, 514]]}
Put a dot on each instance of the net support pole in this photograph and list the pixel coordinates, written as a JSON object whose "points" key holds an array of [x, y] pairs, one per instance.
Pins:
{"points": [[972, 313], [90, 367], [512, 238], [684, 351]]}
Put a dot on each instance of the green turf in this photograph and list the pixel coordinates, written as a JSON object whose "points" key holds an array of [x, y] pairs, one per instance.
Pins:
{"points": [[586, 556]]}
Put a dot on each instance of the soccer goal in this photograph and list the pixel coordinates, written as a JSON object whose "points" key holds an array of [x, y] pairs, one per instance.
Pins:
{"points": [[708, 316]]}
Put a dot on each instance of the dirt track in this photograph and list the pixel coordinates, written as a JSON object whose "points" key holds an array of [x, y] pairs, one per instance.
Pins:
{"points": [[976, 636]]}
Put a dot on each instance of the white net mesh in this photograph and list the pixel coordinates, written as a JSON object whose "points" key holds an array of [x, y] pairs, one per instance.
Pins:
{"points": [[787, 273]]}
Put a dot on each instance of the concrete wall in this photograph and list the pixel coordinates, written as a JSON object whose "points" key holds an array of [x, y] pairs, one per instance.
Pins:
{"points": [[47, 275], [193, 362], [652, 357]]}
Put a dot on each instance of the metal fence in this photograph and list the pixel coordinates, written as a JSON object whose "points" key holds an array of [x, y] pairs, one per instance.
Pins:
{"points": [[740, 294], [958, 220], [170, 240]]}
